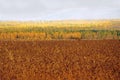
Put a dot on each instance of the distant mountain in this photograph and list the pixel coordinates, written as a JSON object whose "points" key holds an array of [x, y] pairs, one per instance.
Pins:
{"points": [[82, 13]]}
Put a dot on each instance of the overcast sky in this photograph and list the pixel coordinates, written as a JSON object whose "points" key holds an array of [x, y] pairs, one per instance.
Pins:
{"points": [[59, 9]]}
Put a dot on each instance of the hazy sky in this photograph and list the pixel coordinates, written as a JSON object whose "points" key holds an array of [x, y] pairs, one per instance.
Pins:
{"points": [[59, 9]]}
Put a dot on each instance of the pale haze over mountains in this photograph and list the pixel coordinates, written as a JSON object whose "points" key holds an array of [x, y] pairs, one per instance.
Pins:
{"points": [[59, 9]]}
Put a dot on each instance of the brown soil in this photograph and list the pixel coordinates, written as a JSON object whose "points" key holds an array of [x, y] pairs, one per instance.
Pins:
{"points": [[60, 60]]}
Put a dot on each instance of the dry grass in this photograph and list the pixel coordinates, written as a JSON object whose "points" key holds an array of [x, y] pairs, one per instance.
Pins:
{"points": [[60, 60]]}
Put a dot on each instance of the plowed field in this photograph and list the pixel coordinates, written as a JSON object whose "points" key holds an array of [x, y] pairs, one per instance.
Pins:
{"points": [[60, 60]]}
